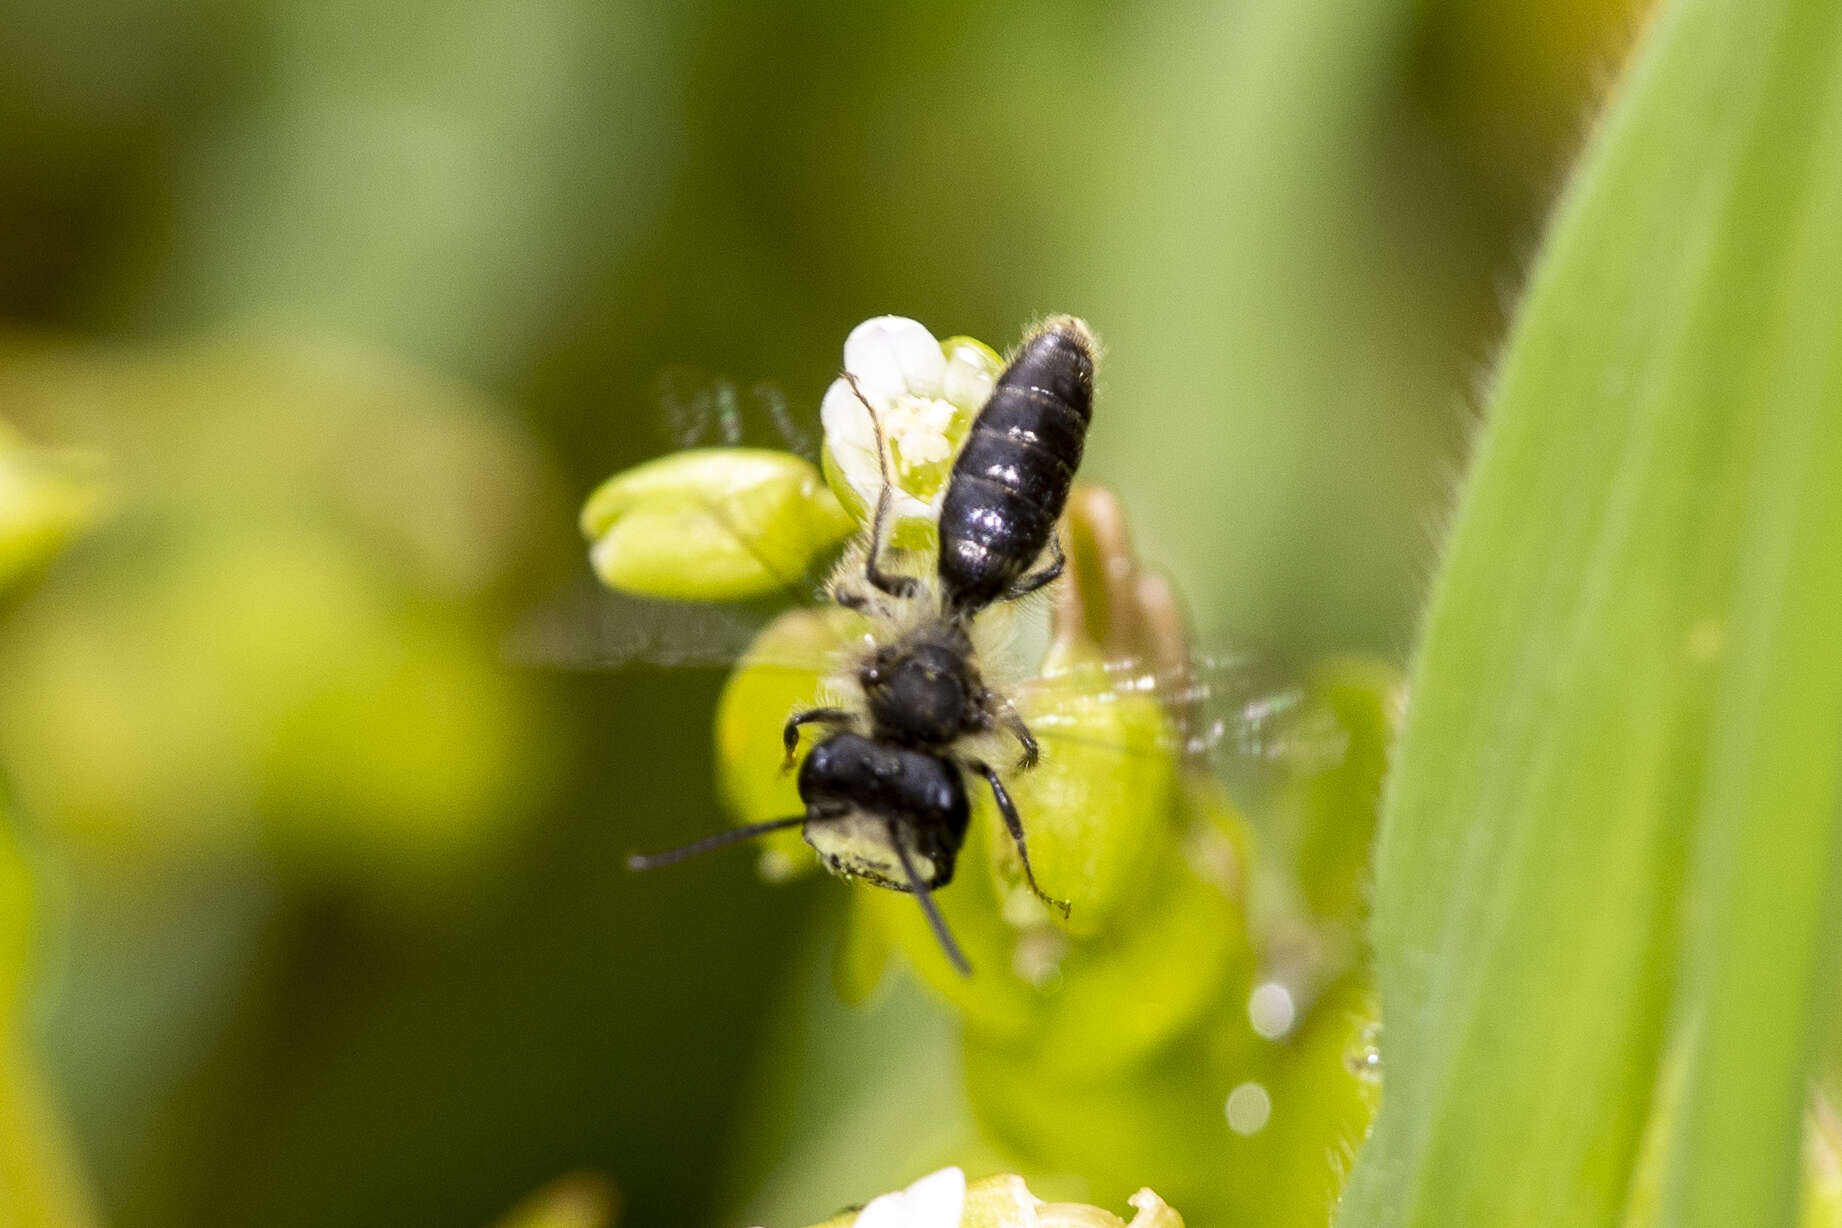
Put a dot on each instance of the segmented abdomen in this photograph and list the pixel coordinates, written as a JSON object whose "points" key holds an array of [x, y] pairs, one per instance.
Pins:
{"points": [[1012, 477]]}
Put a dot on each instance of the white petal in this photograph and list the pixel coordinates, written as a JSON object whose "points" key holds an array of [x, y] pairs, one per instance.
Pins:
{"points": [[891, 355], [935, 1201], [908, 507], [852, 438], [846, 421], [970, 377]]}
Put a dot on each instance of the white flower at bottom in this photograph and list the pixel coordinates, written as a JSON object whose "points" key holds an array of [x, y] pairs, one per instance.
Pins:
{"points": [[945, 1200], [925, 394], [935, 1201]]}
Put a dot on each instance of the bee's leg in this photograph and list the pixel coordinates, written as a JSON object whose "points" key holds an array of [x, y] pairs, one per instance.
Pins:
{"points": [[926, 898], [882, 581], [1030, 583], [789, 733], [1014, 823], [1006, 714]]}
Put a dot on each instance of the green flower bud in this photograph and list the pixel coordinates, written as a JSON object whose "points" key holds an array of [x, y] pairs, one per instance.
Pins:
{"points": [[1067, 1005], [1333, 811], [1299, 1106], [1235, 1127], [1102, 1006], [712, 524], [783, 671], [997, 999], [1150, 858], [1098, 804], [1101, 816]]}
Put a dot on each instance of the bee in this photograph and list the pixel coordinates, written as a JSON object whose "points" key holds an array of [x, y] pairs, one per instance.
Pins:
{"points": [[886, 789]]}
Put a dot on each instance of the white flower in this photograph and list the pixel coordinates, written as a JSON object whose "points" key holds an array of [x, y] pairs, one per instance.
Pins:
{"points": [[935, 1201], [924, 393]]}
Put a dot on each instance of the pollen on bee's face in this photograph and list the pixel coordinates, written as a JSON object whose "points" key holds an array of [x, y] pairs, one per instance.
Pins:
{"points": [[858, 846]]}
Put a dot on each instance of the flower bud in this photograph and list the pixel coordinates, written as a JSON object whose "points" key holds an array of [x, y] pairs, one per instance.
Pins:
{"points": [[783, 671], [712, 524], [1098, 805], [1333, 810]]}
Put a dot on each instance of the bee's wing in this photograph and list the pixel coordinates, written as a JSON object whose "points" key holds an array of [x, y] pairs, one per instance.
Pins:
{"points": [[594, 629], [591, 627], [697, 409], [1230, 711]]}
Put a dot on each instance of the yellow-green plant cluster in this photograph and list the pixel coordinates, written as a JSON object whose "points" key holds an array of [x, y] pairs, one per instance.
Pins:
{"points": [[1198, 1021]]}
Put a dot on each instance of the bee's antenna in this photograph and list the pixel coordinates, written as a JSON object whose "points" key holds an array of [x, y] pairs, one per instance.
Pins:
{"points": [[735, 835], [927, 904], [876, 425]]}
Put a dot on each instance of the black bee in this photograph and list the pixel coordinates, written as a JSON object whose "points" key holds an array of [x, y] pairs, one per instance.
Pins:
{"points": [[885, 790]]}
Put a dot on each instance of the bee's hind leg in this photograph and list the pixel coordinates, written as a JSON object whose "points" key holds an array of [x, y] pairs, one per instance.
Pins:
{"points": [[1039, 579], [893, 584], [1013, 822]]}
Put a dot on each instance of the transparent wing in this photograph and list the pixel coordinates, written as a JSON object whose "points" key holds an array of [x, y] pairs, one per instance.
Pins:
{"points": [[592, 628], [697, 409], [1228, 712]]}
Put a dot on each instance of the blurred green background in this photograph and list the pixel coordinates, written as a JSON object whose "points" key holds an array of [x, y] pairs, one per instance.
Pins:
{"points": [[355, 302]]}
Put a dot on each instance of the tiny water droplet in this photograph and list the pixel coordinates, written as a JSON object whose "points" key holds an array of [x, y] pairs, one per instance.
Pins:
{"points": [[1271, 1010], [1037, 958], [1248, 1109], [1365, 1059]]}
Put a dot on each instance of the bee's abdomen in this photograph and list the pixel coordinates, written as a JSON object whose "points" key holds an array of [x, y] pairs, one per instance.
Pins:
{"points": [[1012, 476]]}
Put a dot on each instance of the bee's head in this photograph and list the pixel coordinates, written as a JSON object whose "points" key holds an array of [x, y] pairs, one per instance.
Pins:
{"points": [[919, 693]]}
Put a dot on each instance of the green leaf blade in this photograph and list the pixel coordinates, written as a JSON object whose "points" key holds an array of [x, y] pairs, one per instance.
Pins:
{"points": [[1759, 955], [1631, 612]]}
